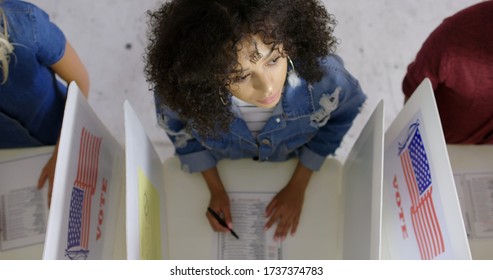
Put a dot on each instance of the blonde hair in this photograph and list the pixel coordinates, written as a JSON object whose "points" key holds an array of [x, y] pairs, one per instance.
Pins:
{"points": [[6, 48]]}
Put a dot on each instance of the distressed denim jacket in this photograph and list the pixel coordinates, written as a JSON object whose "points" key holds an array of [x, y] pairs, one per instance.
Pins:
{"points": [[309, 123]]}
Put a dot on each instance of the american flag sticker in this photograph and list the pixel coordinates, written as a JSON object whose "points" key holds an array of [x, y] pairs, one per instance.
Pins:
{"points": [[81, 199], [417, 175]]}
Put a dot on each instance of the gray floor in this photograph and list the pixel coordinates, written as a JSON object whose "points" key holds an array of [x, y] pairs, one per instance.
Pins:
{"points": [[378, 39]]}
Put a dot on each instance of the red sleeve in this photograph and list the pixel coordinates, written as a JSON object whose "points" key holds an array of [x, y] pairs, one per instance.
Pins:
{"points": [[429, 62]]}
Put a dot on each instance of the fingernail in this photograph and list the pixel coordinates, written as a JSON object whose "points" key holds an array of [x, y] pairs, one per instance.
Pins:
{"points": [[230, 225], [283, 238], [276, 238]]}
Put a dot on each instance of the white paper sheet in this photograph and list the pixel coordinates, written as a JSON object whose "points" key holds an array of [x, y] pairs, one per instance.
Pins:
{"points": [[476, 200], [248, 214], [23, 208]]}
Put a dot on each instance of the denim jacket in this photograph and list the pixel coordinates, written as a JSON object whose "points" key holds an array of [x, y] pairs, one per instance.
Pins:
{"points": [[309, 123]]}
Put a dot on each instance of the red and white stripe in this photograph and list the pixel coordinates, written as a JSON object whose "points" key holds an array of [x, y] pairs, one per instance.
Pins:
{"points": [[87, 175], [425, 222]]}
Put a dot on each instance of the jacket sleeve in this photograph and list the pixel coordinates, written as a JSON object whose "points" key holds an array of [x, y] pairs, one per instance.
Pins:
{"points": [[339, 98], [429, 62], [193, 156]]}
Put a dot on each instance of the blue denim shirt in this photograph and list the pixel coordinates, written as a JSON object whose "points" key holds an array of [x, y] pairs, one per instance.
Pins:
{"points": [[32, 101], [309, 123]]}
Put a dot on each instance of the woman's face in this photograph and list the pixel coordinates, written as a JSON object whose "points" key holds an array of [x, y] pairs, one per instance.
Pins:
{"points": [[263, 73]]}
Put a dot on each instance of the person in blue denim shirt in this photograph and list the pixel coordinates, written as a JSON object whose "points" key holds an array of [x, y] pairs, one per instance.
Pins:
{"points": [[250, 79], [33, 50]]}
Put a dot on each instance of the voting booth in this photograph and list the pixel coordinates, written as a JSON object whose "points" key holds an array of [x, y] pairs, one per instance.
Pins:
{"points": [[393, 198], [328, 229], [89, 180]]}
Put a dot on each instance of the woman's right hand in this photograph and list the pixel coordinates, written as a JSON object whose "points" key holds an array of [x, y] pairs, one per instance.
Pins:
{"points": [[219, 202]]}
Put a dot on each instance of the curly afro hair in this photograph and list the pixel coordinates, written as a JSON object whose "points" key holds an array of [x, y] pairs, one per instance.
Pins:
{"points": [[193, 45]]}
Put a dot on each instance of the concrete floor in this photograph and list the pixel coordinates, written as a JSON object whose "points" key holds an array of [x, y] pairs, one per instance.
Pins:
{"points": [[378, 39]]}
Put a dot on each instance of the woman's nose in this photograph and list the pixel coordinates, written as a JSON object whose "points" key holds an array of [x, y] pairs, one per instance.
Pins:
{"points": [[264, 84]]}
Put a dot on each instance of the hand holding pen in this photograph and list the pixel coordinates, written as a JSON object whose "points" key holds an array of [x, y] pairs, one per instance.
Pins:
{"points": [[221, 221]]}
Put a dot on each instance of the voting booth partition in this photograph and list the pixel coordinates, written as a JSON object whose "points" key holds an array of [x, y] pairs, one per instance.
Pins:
{"points": [[362, 191], [421, 210], [146, 207], [88, 184]]}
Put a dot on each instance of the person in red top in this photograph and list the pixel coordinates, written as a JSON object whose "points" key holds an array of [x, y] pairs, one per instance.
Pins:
{"points": [[458, 59]]}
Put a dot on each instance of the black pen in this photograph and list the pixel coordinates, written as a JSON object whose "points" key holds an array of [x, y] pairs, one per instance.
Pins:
{"points": [[221, 221]]}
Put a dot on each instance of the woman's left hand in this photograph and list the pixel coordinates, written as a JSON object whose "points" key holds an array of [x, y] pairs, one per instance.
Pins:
{"points": [[48, 173], [285, 208]]}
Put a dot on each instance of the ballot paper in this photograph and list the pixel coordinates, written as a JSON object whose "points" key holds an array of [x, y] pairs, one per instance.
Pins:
{"points": [[476, 199], [254, 243], [23, 208]]}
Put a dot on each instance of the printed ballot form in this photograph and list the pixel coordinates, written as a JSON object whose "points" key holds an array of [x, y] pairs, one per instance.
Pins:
{"points": [[476, 197], [23, 217], [248, 214], [23, 207], [472, 166]]}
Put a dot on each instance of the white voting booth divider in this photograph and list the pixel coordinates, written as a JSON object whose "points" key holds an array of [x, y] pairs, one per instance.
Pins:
{"points": [[362, 187], [421, 211], [89, 175], [406, 208], [146, 223]]}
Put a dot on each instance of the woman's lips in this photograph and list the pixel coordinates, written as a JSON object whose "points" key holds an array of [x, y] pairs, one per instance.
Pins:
{"points": [[270, 99]]}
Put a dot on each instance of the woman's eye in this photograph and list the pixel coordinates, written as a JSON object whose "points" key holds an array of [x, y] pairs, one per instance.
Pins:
{"points": [[274, 61], [241, 78]]}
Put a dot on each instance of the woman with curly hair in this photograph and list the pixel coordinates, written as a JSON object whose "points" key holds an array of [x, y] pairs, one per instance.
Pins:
{"points": [[250, 79]]}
